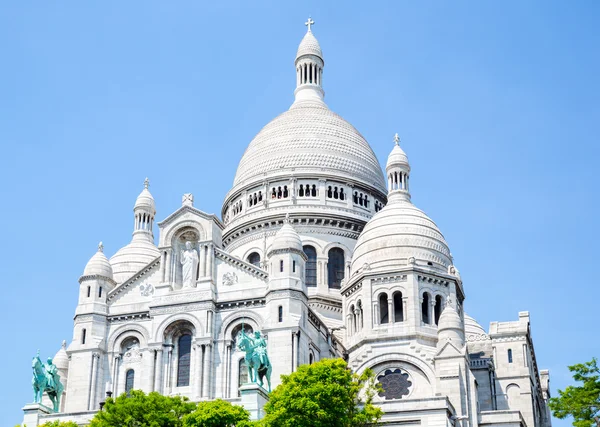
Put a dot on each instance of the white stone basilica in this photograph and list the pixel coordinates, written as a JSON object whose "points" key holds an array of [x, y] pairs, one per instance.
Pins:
{"points": [[326, 256]]}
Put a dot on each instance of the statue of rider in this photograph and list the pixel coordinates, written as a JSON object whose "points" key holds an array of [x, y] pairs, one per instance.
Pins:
{"points": [[52, 376], [260, 347]]}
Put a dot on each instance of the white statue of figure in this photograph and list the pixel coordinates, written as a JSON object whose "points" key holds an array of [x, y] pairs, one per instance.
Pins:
{"points": [[189, 261]]}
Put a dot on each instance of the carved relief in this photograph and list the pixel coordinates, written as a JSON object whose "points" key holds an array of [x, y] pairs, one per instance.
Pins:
{"points": [[230, 279], [146, 289]]}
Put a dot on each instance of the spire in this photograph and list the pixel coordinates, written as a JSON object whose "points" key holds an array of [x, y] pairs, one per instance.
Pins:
{"points": [[144, 212], [309, 67], [398, 170]]}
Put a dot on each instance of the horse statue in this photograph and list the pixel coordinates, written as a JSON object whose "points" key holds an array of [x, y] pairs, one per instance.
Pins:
{"points": [[257, 359], [46, 379]]}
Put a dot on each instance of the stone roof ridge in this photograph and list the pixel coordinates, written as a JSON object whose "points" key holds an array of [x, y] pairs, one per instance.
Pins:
{"points": [[237, 262], [127, 283], [191, 209]]}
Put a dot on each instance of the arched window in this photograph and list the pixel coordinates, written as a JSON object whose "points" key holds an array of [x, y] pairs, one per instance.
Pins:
{"points": [[310, 272], [254, 259], [425, 308], [314, 191], [83, 333], [384, 315], [281, 265], [438, 309], [329, 192], [398, 309], [293, 266], [510, 359], [342, 195], [184, 351], [100, 292], [311, 358], [335, 268], [301, 191], [352, 318], [242, 373], [129, 379], [280, 313], [89, 291], [360, 314]]}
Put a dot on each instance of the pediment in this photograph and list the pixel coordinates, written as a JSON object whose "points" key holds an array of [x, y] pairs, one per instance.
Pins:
{"points": [[191, 210], [138, 289], [450, 350]]}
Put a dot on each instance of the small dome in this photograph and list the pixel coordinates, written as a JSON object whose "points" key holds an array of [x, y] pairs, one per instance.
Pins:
{"points": [[145, 199], [398, 233], [397, 157], [286, 238], [472, 327], [132, 258], [309, 46], [450, 327], [98, 265], [61, 359]]}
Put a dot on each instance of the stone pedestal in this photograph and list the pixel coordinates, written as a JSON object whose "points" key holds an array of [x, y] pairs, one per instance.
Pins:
{"points": [[254, 398], [32, 413]]}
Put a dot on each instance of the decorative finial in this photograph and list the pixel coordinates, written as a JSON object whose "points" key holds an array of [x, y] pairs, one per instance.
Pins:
{"points": [[146, 183], [100, 247], [309, 23], [396, 139], [287, 218], [64, 344], [449, 300]]}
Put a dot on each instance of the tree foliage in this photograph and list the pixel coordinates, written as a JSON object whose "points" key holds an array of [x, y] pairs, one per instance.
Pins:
{"points": [[143, 410], [580, 402], [323, 394], [217, 413], [55, 424]]}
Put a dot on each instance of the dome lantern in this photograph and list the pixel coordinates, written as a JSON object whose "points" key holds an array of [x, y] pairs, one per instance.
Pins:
{"points": [[397, 169], [98, 265], [144, 211], [309, 68]]}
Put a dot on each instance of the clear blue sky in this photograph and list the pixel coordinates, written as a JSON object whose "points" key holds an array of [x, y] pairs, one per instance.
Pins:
{"points": [[497, 105]]}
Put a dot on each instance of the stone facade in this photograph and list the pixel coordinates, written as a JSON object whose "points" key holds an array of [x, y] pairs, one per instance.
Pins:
{"points": [[319, 256]]}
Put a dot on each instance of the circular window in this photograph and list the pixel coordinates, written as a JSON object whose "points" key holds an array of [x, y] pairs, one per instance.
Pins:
{"points": [[395, 383]]}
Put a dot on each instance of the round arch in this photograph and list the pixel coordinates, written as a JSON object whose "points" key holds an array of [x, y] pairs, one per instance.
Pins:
{"points": [[175, 318], [126, 331], [180, 227], [235, 318], [425, 368]]}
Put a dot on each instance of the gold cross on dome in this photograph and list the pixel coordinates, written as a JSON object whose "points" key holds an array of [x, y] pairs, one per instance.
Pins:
{"points": [[309, 23]]}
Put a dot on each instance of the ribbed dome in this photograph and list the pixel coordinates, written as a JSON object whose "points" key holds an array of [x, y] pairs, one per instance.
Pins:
{"points": [[310, 138], [395, 234], [450, 327], [287, 238], [61, 359], [472, 327], [98, 265], [132, 258], [397, 157], [145, 199], [309, 46]]}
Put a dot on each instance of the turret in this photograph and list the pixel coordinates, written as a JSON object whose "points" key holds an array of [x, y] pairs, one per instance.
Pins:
{"points": [[398, 170], [287, 259], [95, 283]]}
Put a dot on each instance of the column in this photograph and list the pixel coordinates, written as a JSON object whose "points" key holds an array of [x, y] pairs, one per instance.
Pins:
{"points": [[325, 274], [168, 265], [293, 353], [210, 261], [391, 318], [432, 311], [322, 191], [405, 308], [375, 313], [94, 374], [158, 370], [209, 322], [202, 263], [206, 373], [163, 265], [194, 371], [167, 370], [297, 349]]}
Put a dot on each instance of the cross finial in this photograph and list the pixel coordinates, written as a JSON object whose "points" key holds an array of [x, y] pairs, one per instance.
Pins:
{"points": [[287, 218], [100, 247], [146, 183], [309, 23], [396, 139]]}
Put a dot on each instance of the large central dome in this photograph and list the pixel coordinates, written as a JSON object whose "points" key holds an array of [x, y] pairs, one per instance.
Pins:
{"points": [[307, 138]]}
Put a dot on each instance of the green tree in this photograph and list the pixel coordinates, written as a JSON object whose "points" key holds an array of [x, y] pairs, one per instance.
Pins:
{"points": [[217, 413], [580, 402], [323, 394], [60, 424], [143, 410]]}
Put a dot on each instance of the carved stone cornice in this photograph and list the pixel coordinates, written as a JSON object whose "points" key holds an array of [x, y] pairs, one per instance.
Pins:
{"points": [[230, 305], [180, 308], [129, 317], [286, 293], [97, 277], [351, 289]]}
